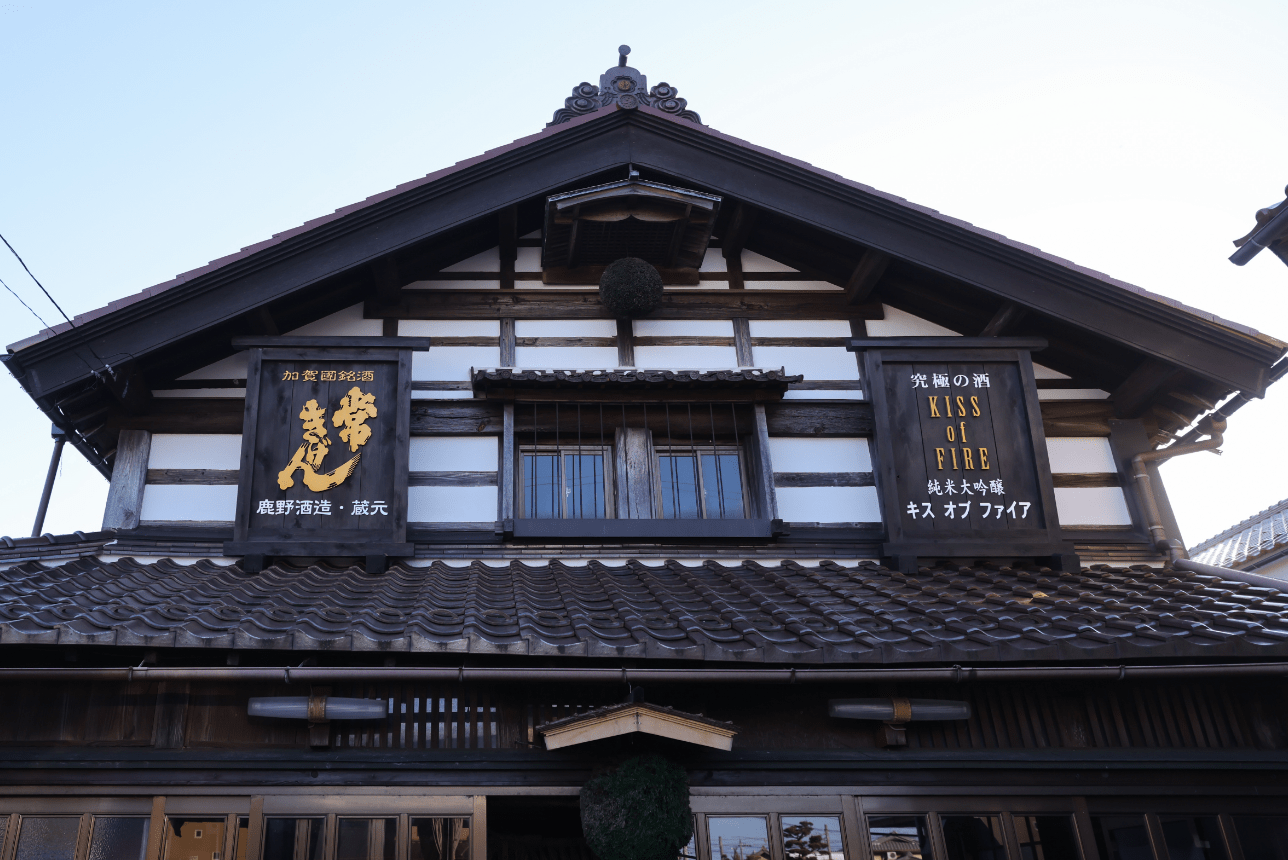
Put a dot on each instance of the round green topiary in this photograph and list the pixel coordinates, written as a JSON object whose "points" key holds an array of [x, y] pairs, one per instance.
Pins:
{"points": [[638, 812], [630, 287]]}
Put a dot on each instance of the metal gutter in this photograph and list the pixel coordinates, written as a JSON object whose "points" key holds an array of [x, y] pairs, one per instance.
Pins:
{"points": [[596, 675], [1214, 426]]}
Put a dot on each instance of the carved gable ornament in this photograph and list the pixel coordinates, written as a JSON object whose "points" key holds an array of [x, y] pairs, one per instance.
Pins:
{"points": [[625, 87]]}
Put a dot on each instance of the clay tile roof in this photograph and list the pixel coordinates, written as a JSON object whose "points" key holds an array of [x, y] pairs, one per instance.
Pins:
{"points": [[782, 613], [1247, 541]]}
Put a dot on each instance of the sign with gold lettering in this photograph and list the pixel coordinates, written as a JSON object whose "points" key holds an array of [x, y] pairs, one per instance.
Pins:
{"points": [[962, 462], [324, 448]]}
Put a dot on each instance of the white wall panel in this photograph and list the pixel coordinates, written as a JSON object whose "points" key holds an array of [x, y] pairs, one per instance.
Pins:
{"points": [[900, 324], [453, 285], [791, 454], [816, 286], [810, 394], [449, 328], [1071, 454], [1040, 372], [488, 261], [714, 261], [1091, 506], [565, 328], [232, 367], [189, 502], [179, 393], [528, 260], [800, 328], [451, 504], [828, 504], [685, 357], [816, 362], [453, 454], [345, 323], [683, 328], [566, 357], [753, 262], [442, 395], [195, 451], [452, 363], [1072, 394]]}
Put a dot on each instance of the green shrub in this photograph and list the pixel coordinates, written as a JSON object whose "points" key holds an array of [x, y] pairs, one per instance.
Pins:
{"points": [[638, 812]]}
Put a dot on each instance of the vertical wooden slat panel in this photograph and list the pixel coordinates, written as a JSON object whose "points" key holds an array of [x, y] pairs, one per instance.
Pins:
{"points": [[1208, 702], [1142, 715], [1198, 731], [1094, 715], [1120, 723]]}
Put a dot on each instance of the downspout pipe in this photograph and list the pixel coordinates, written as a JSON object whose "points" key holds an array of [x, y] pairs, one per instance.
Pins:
{"points": [[1214, 427]]}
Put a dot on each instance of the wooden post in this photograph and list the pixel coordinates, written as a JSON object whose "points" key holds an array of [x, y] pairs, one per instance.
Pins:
{"points": [[1086, 831], [81, 852], [625, 343], [129, 474], [855, 834], [742, 342], [634, 474], [507, 463], [156, 829], [761, 473], [255, 832], [507, 342], [478, 829]]}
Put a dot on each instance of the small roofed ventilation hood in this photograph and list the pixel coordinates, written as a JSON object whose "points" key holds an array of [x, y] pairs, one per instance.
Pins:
{"points": [[587, 229]]}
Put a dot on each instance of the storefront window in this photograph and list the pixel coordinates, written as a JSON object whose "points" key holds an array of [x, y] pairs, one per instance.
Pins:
{"points": [[812, 837], [290, 839], [1046, 837], [440, 839], [194, 839], [899, 837], [974, 837], [738, 837], [1193, 837], [366, 839], [1262, 836], [116, 838], [47, 838], [1122, 838]]}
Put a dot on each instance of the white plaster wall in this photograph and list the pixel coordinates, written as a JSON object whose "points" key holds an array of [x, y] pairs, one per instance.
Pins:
{"points": [[683, 328], [828, 504], [449, 328], [753, 262], [453, 454], [1040, 372], [800, 328], [685, 357], [189, 502], [816, 286], [713, 261], [900, 324], [1070, 454], [195, 451], [814, 394], [180, 393], [232, 367], [452, 363], [792, 454], [1071, 394], [1091, 506], [453, 285], [528, 260], [816, 362], [565, 328], [348, 322], [488, 261], [451, 504], [566, 357]]}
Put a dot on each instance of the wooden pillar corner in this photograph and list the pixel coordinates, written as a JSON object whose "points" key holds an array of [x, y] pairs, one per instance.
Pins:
{"points": [[129, 477]]}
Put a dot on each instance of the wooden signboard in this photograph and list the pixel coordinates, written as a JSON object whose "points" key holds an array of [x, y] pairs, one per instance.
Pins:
{"points": [[962, 461], [325, 448]]}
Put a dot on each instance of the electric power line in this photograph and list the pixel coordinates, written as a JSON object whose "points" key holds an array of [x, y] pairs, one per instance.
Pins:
{"points": [[24, 304], [38, 283]]}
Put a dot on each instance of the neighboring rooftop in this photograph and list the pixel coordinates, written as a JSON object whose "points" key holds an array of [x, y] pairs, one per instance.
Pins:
{"points": [[1248, 541]]}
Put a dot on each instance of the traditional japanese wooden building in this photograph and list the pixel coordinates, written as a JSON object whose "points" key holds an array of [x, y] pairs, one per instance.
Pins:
{"points": [[427, 511]]}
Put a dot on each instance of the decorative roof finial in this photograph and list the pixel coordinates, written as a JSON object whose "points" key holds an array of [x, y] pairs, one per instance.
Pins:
{"points": [[625, 87]]}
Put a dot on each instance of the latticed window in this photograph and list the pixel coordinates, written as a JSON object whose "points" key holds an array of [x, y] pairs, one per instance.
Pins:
{"points": [[700, 483], [566, 483]]}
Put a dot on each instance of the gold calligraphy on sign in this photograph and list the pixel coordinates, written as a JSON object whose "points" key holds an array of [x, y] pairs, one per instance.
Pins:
{"points": [[328, 376], [355, 409]]}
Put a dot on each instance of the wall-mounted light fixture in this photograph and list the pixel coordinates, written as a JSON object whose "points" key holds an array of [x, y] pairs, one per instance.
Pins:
{"points": [[895, 712]]}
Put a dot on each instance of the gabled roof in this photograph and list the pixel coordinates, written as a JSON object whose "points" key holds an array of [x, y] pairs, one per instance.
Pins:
{"points": [[1238, 546]]}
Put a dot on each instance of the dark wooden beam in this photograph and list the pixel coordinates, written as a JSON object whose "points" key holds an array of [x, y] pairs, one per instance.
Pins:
{"points": [[625, 343], [865, 277], [260, 322], [508, 221], [1133, 396], [1007, 316], [384, 272], [732, 242]]}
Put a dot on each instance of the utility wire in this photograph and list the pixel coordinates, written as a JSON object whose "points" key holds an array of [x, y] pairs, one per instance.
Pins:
{"points": [[24, 304], [38, 283]]}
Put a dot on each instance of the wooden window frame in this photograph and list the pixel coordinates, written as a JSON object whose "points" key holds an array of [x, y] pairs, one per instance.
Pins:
{"points": [[660, 451], [605, 451]]}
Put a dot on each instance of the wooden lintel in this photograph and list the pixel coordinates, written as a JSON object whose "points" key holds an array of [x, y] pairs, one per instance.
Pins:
{"points": [[1006, 318], [584, 304], [630, 395], [866, 275], [1134, 395]]}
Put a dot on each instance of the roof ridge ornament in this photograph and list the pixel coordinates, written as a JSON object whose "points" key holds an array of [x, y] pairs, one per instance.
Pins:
{"points": [[625, 87]]}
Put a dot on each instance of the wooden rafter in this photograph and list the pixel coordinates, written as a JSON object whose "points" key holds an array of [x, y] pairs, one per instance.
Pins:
{"points": [[1006, 318], [865, 277]]}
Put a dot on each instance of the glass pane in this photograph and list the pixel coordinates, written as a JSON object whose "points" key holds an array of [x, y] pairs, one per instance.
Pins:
{"points": [[679, 486], [742, 837], [4, 827], [541, 486], [974, 837], [194, 839], [47, 838], [690, 851], [243, 831], [119, 838], [1193, 837], [585, 486], [722, 486], [899, 837], [1046, 837], [1262, 837], [291, 839], [1122, 838], [812, 837], [366, 839], [440, 839]]}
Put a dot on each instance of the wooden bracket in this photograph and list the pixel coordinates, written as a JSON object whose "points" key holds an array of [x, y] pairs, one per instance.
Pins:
{"points": [[1006, 318], [865, 277], [1133, 396]]}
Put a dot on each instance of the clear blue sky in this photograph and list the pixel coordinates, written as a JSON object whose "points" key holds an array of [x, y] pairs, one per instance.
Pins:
{"points": [[1138, 138]]}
